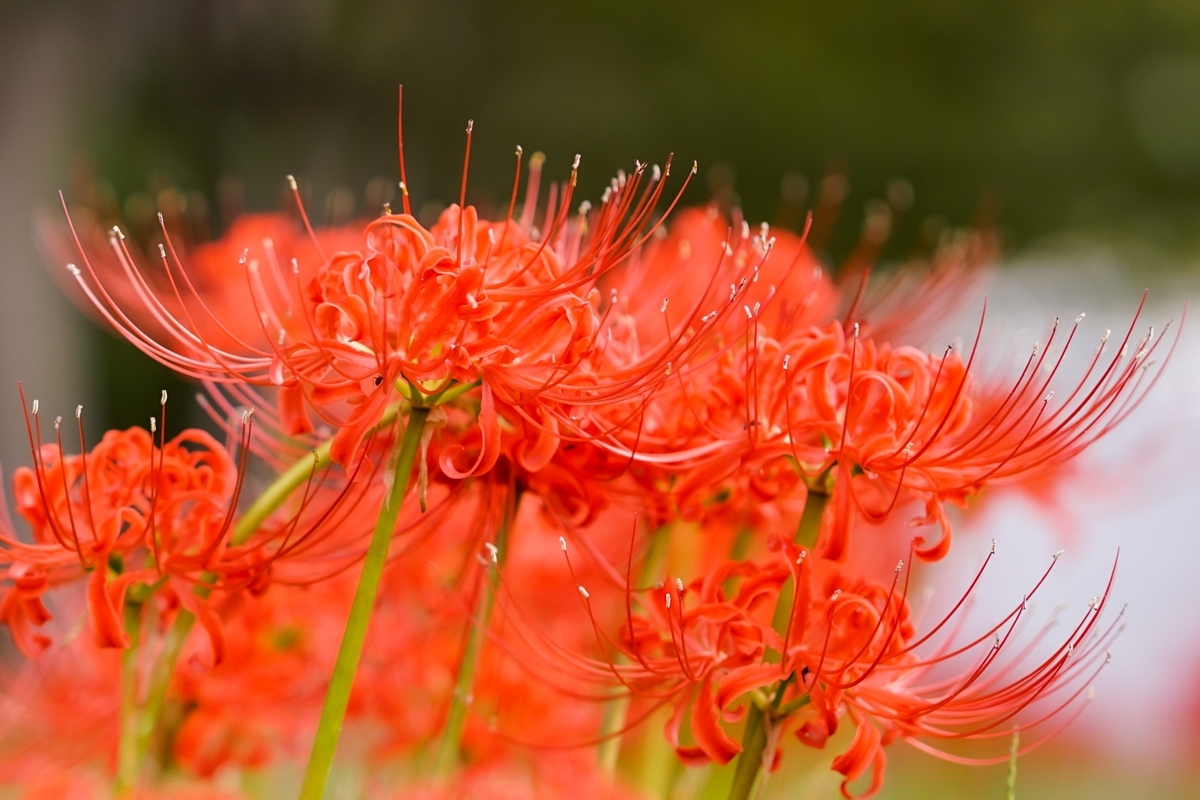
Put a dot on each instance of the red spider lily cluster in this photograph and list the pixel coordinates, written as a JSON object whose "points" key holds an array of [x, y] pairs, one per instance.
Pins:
{"points": [[621, 481]]}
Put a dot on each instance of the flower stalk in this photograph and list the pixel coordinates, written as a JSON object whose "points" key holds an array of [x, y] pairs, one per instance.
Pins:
{"points": [[128, 750], [337, 697], [460, 703]]}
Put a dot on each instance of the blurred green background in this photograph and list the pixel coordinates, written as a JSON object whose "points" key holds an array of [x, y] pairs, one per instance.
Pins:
{"points": [[1062, 121], [1048, 117]]}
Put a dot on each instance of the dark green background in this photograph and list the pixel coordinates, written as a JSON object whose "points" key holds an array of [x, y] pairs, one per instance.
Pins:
{"points": [[1060, 116]]}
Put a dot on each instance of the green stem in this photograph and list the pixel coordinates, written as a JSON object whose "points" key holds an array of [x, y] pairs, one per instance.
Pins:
{"points": [[460, 703], [810, 519], [262, 507], [616, 711], [127, 743], [754, 738], [749, 763], [1014, 748], [160, 677], [291, 479], [337, 698]]}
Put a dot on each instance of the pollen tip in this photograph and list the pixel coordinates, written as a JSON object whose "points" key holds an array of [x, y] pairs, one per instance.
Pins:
{"points": [[1079, 319], [562, 542], [900, 565], [163, 400], [668, 599], [153, 425], [162, 251], [679, 585], [519, 150], [291, 179], [856, 329], [993, 547], [575, 165], [493, 551], [78, 411], [1059, 553], [57, 422], [470, 125], [584, 592], [35, 407]]}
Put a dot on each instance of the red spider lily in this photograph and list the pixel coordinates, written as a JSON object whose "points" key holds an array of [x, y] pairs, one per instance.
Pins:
{"points": [[127, 512], [853, 650], [468, 300], [913, 426], [845, 645]]}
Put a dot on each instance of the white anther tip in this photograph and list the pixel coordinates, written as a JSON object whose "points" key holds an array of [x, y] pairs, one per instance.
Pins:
{"points": [[78, 411], [583, 592], [679, 585], [562, 542], [74, 270], [163, 400], [291, 179]]}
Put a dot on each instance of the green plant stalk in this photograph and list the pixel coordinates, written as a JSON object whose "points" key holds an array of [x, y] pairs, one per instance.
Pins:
{"points": [[749, 763], [337, 698], [127, 744], [754, 737], [160, 678], [262, 507], [616, 711], [1010, 785], [460, 703]]}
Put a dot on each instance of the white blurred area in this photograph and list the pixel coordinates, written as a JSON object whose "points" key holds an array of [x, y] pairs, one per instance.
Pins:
{"points": [[1137, 489]]}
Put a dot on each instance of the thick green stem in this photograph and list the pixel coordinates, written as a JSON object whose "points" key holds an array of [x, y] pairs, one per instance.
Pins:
{"points": [[337, 698], [160, 677], [127, 744], [295, 475], [262, 507], [1010, 785], [754, 738], [616, 711], [460, 703], [749, 763]]}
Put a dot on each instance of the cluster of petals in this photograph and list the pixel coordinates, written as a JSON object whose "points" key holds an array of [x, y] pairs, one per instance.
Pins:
{"points": [[585, 370]]}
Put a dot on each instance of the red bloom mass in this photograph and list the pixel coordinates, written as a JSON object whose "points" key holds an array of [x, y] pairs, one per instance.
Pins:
{"points": [[681, 426]]}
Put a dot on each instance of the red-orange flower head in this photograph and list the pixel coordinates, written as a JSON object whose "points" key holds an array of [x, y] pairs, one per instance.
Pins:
{"points": [[840, 644], [511, 304], [126, 512]]}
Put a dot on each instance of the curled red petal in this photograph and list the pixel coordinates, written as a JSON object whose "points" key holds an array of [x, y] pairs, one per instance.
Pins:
{"points": [[489, 449], [864, 752], [710, 736]]}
